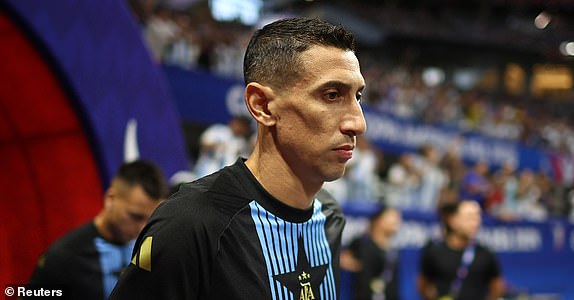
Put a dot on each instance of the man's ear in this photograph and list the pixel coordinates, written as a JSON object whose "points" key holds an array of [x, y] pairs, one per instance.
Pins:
{"points": [[109, 197], [257, 99]]}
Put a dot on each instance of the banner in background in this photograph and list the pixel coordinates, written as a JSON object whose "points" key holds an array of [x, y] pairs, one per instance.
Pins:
{"points": [[535, 257]]}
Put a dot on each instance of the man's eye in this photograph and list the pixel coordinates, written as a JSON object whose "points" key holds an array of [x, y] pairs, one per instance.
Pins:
{"points": [[332, 96], [359, 97]]}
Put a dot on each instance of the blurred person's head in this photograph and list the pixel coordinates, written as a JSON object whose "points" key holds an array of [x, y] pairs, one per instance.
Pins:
{"points": [[385, 222], [461, 218], [240, 126], [526, 178], [508, 167], [135, 191], [430, 153], [406, 159], [481, 167]]}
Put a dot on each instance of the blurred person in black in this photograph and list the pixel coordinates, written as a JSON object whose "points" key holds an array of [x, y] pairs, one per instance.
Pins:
{"points": [[459, 267], [87, 261], [261, 228], [373, 260]]}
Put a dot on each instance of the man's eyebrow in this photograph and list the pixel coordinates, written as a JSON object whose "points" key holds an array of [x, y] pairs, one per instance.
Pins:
{"points": [[338, 84]]}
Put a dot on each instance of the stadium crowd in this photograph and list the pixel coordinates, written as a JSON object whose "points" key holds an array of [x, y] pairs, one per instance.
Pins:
{"points": [[418, 180]]}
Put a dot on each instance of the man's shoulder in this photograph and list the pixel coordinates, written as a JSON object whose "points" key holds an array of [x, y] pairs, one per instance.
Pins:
{"points": [[434, 245], [78, 236], [211, 199], [485, 249], [328, 202], [73, 243]]}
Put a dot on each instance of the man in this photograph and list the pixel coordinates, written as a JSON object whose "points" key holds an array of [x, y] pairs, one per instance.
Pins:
{"points": [[459, 267], [87, 261], [260, 229], [373, 260]]}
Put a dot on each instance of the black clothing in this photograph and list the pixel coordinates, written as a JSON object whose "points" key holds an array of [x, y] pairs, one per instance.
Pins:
{"points": [[225, 237], [377, 267], [439, 264], [83, 264]]}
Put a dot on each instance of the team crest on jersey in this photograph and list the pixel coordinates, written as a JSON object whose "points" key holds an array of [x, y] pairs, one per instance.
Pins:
{"points": [[306, 290], [297, 255], [305, 280]]}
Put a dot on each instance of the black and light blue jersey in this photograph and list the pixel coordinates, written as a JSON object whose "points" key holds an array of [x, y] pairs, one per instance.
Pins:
{"points": [[225, 237], [83, 263]]}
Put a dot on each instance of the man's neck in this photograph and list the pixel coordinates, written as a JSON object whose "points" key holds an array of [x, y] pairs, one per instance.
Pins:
{"points": [[381, 240], [280, 181], [456, 241], [102, 227]]}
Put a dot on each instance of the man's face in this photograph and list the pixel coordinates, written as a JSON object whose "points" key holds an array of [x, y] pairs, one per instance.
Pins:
{"points": [[319, 117], [467, 220], [389, 223], [128, 211]]}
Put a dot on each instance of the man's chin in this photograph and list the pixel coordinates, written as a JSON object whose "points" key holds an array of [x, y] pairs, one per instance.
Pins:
{"points": [[333, 177]]}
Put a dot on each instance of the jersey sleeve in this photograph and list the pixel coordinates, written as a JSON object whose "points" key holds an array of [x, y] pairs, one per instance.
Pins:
{"points": [[171, 257]]}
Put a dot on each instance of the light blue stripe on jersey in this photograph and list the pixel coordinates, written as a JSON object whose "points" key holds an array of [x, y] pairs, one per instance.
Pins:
{"points": [[113, 258], [279, 242]]}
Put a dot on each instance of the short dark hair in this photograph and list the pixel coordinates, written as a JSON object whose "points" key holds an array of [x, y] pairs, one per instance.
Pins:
{"points": [[272, 56], [146, 174], [378, 213], [445, 211]]}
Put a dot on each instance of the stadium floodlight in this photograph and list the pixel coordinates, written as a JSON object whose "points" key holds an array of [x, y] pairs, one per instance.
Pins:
{"points": [[542, 20], [567, 48]]}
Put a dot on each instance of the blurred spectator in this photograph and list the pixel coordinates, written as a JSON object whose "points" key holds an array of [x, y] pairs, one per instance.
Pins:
{"points": [[361, 174], [160, 31], [433, 178], [502, 200], [228, 54], [183, 50], [475, 184], [403, 182], [521, 198], [88, 260], [459, 267], [222, 144], [453, 164], [570, 205], [528, 194], [373, 260], [552, 202]]}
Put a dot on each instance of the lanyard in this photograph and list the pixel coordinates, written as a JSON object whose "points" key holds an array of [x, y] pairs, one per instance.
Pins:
{"points": [[462, 271], [390, 260], [379, 285]]}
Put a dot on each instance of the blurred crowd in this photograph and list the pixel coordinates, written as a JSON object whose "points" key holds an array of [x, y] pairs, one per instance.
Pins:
{"points": [[418, 180], [191, 38], [425, 179], [403, 92], [491, 23]]}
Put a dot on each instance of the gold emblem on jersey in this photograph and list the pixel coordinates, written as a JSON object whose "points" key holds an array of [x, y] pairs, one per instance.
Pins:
{"points": [[142, 259]]}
